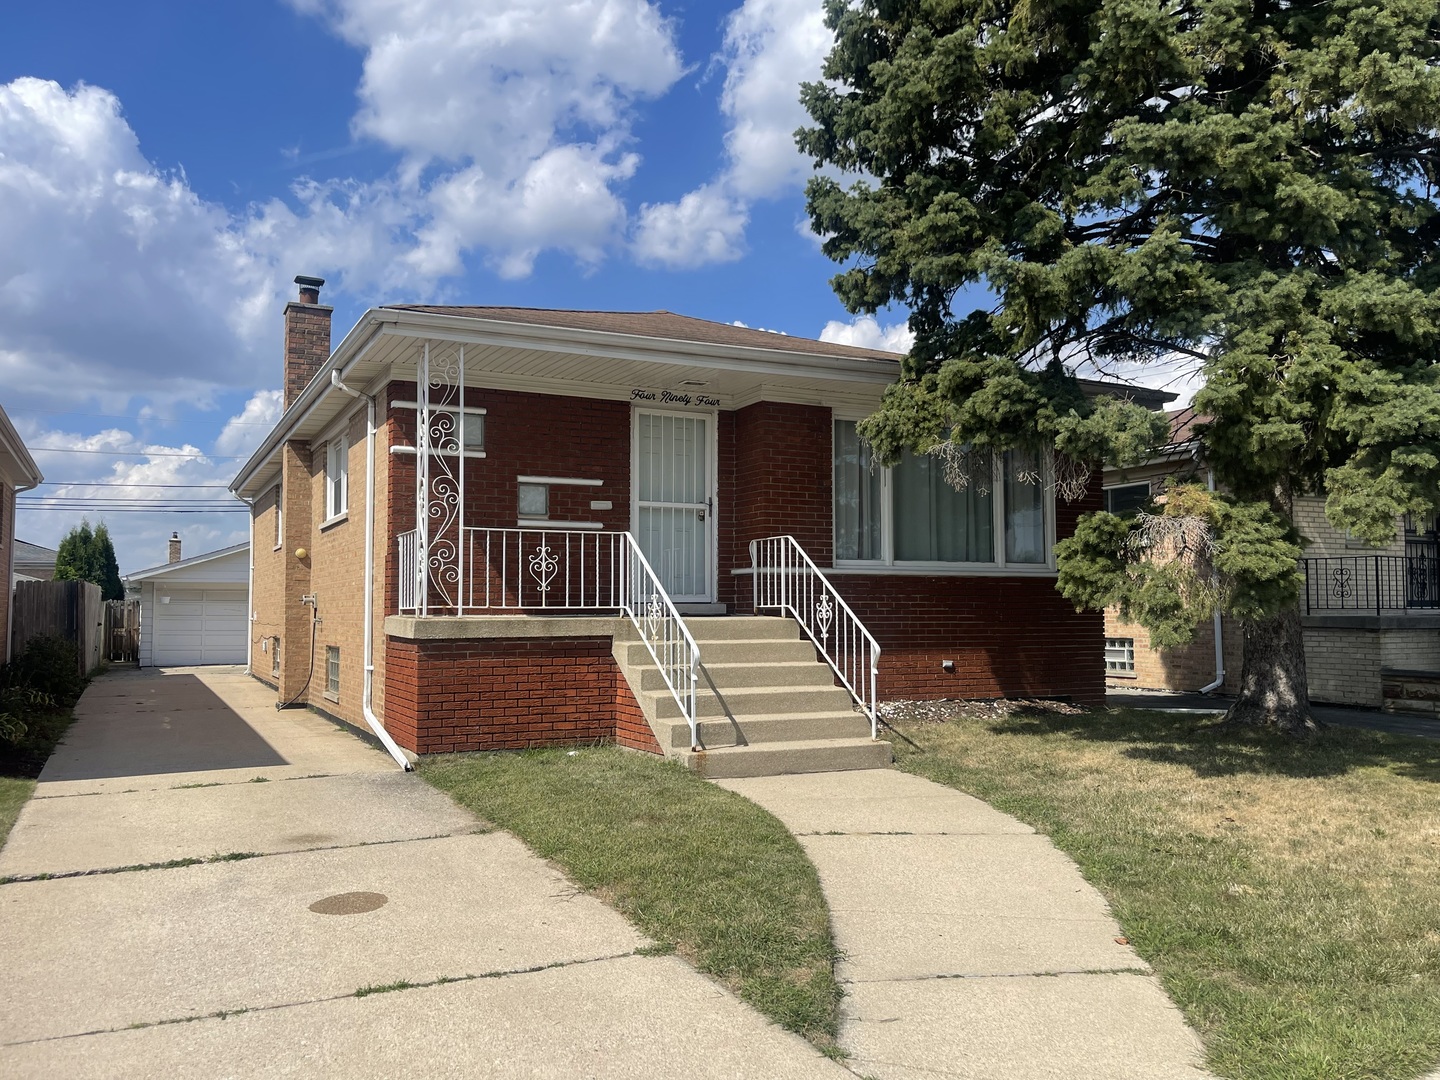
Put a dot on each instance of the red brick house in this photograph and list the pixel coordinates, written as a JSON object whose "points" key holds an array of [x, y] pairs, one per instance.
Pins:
{"points": [[446, 564], [18, 472]]}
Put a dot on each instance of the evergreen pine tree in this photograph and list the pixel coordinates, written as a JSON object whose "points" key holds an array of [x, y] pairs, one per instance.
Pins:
{"points": [[1250, 185]]}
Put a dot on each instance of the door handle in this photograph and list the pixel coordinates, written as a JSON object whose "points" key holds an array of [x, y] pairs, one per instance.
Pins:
{"points": [[700, 514]]}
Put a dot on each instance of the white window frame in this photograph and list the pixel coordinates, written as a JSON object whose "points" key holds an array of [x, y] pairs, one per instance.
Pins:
{"points": [[454, 410], [1121, 487], [332, 672], [337, 477], [888, 564], [1119, 656], [279, 515]]}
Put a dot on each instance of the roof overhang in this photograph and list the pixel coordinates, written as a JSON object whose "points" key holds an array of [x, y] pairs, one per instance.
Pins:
{"points": [[187, 564], [387, 343], [16, 465]]}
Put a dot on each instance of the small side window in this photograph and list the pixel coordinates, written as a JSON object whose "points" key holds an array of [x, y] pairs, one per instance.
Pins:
{"points": [[332, 672], [1120, 655], [534, 500]]}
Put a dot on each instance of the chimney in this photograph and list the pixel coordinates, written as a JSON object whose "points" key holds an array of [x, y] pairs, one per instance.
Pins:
{"points": [[307, 337], [174, 547]]}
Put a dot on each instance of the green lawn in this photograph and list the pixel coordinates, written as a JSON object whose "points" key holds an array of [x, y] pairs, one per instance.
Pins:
{"points": [[21, 762], [1287, 894], [694, 867]]}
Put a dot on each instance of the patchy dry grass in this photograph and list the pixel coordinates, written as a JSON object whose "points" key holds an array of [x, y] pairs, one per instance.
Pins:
{"points": [[702, 871], [1288, 894]]}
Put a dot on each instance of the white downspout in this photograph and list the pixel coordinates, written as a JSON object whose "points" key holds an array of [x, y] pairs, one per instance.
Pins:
{"points": [[1219, 642], [250, 593], [367, 697]]}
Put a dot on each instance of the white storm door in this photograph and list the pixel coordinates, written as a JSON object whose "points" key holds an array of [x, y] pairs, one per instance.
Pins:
{"points": [[674, 501]]}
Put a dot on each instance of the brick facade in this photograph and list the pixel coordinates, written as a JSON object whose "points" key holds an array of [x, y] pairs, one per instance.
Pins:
{"points": [[509, 694], [1007, 635]]}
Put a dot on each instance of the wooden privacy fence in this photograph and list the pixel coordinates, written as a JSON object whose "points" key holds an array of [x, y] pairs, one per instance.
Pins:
{"points": [[122, 631], [68, 609]]}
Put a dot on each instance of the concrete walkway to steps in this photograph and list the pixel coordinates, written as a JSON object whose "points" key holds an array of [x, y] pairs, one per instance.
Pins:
{"points": [[972, 947], [103, 969]]}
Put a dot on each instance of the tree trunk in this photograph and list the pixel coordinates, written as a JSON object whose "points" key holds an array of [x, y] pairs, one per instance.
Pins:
{"points": [[1273, 689]]}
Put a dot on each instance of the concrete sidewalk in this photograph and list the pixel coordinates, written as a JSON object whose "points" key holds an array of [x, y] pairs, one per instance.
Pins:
{"points": [[972, 947], [203, 886], [1422, 727]]}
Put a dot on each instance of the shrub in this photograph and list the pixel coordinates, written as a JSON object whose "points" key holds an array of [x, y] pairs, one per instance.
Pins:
{"points": [[49, 665]]}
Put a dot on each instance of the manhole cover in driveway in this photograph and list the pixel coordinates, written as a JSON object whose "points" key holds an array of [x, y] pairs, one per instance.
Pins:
{"points": [[349, 903]]}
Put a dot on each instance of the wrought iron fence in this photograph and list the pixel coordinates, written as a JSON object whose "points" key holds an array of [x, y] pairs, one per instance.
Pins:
{"points": [[1371, 583]]}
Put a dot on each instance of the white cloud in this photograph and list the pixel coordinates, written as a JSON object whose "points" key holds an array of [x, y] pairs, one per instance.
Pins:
{"points": [[243, 432], [115, 278], [865, 332], [706, 226], [112, 489], [770, 48], [512, 118]]}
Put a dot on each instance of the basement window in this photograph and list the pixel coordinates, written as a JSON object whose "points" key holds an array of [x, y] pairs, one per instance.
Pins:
{"points": [[1119, 656], [332, 672]]}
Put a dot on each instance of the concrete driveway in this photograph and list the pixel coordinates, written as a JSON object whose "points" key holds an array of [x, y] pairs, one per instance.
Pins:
{"points": [[204, 886]]}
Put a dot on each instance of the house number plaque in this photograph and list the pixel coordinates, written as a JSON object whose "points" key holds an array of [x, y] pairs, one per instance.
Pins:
{"points": [[668, 397]]}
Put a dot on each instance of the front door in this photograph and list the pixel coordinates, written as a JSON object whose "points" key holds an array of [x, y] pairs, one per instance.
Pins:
{"points": [[674, 501]]}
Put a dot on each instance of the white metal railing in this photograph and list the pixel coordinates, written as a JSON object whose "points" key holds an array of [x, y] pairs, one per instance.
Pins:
{"points": [[784, 577], [664, 632], [559, 569], [409, 570]]}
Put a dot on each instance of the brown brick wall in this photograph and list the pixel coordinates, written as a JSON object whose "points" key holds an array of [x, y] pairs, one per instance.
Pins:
{"points": [[307, 345], [1008, 637], [783, 478], [1187, 667], [508, 694]]}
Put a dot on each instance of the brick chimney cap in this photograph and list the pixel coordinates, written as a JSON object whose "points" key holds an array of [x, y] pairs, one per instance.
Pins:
{"points": [[309, 282]]}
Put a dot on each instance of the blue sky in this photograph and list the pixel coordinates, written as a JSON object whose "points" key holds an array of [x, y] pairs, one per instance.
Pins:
{"points": [[166, 169]]}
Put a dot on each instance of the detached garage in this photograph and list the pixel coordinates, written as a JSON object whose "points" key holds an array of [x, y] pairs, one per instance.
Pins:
{"points": [[195, 611]]}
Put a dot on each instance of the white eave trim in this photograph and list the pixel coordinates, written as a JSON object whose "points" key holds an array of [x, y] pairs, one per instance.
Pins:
{"points": [[186, 564]]}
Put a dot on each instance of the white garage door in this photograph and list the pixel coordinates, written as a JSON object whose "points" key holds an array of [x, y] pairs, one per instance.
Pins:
{"points": [[199, 626]]}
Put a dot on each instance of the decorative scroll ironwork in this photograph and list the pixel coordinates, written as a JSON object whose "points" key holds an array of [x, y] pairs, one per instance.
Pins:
{"points": [[1342, 583], [543, 565], [440, 476], [823, 613]]}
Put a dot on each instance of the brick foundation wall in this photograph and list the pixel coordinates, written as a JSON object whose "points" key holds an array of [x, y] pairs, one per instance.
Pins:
{"points": [[509, 694], [1187, 667], [1008, 637]]}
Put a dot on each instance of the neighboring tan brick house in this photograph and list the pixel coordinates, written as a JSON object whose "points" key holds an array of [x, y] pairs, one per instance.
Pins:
{"points": [[18, 472], [554, 439], [1370, 614]]}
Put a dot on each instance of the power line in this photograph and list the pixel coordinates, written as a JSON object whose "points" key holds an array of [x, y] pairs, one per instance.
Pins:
{"points": [[125, 484], [158, 419], [134, 453]]}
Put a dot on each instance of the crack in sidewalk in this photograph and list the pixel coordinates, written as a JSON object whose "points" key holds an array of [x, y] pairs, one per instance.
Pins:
{"points": [[231, 856], [361, 992]]}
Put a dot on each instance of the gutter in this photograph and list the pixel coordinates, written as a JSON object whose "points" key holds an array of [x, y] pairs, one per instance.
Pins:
{"points": [[367, 697]]}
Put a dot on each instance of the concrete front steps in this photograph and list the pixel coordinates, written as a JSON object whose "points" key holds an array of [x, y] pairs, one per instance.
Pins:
{"points": [[777, 710]]}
